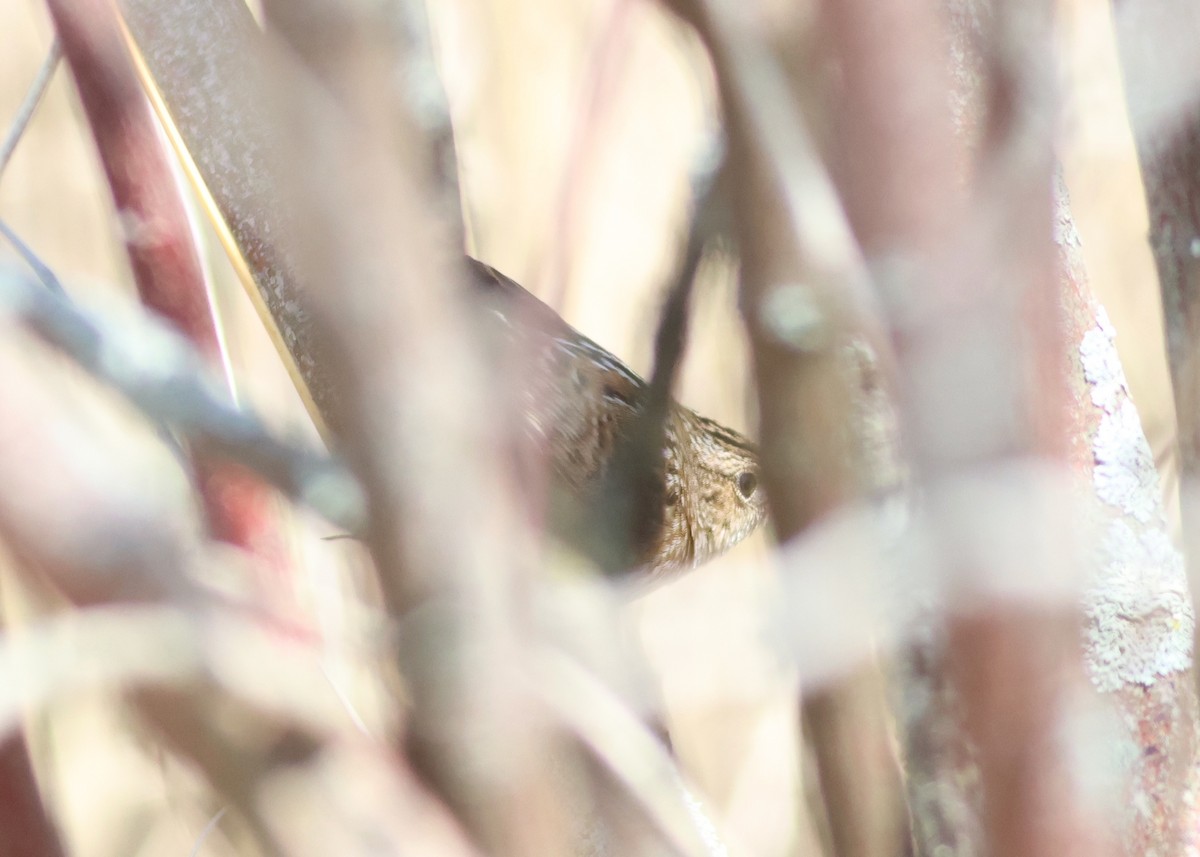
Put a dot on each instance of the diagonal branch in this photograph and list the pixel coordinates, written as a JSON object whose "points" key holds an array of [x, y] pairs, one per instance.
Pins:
{"points": [[160, 245], [162, 376], [29, 104], [808, 304], [628, 506]]}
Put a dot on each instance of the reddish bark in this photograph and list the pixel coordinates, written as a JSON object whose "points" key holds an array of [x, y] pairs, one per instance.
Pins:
{"points": [[158, 240], [1160, 711], [27, 830]]}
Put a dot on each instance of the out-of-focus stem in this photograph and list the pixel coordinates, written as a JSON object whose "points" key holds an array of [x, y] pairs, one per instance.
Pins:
{"points": [[27, 829], [805, 299], [29, 105], [158, 239], [1156, 40]]}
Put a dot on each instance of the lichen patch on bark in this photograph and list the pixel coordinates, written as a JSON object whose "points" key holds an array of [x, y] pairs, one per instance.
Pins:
{"points": [[1139, 616]]}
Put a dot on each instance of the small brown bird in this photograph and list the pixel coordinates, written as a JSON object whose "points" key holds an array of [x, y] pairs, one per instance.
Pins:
{"points": [[578, 399]]}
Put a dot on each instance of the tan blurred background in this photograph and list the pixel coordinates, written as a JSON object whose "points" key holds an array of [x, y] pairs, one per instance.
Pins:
{"points": [[578, 122]]}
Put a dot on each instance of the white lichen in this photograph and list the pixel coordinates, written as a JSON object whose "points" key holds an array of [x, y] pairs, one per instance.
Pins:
{"points": [[1124, 476], [1066, 235], [1102, 368], [1139, 614]]}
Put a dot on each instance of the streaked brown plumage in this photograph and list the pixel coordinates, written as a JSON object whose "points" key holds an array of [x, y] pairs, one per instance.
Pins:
{"points": [[579, 398]]}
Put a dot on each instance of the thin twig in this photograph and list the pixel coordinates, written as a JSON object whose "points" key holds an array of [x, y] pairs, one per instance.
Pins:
{"points": [[44, 273], [809, 204], [208, 828], [29, 105], [160, 373], [630, 497], [671, 335]]}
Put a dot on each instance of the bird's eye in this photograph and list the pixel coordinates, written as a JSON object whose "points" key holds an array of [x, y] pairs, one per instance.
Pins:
{"points": [[747, 482]]}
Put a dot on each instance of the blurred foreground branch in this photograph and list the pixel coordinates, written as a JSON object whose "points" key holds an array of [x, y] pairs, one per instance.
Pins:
{"points": [[158, 372], [159, 242], [810, 314], [892, 189]]}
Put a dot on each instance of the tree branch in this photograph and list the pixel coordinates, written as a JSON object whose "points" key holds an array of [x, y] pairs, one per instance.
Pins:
{"points": [[166, 380]]}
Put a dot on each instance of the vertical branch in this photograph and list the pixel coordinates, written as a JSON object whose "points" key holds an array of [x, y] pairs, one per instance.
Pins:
{"points": [[377, 271], [1138, 631], [1156, 40], [993, 301], [803, 299], [628, 506], [158, 238], [1004, 112], [896, 162], [997, 236]]}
